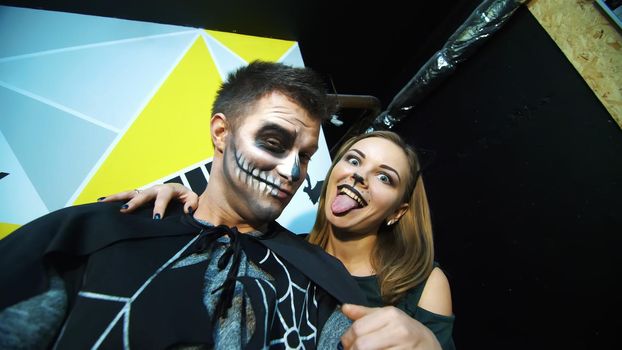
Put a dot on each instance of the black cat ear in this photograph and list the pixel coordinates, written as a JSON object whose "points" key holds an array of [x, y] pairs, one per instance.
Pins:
{"points": [[425, 157]]}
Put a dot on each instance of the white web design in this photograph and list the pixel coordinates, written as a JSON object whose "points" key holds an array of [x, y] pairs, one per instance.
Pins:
{"points": [[125, 311], [292, 323], [285, 311]]}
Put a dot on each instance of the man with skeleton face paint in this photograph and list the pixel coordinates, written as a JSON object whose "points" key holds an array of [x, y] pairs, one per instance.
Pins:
{"points": [[226, 276], [266, 156]]}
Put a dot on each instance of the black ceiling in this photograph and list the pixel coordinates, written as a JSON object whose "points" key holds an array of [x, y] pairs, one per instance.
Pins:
{"points": [[364, 49]]}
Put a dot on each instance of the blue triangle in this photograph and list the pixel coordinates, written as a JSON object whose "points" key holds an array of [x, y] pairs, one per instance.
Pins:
{"points": [[26, 31], [56, 150], [20, 201], [226, 60], [110, 83], [293, 57]]}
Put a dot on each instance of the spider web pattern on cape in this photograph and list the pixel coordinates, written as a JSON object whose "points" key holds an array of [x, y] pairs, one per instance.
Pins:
{"points": [[288, 312]]}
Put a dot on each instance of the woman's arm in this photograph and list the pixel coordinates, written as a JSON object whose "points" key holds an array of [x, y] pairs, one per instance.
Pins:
{"points": [[390, 327], [162, 194], [436, 296]]}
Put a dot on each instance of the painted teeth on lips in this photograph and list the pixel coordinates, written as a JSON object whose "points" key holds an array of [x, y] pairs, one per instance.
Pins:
{"points": [[352, 193]]}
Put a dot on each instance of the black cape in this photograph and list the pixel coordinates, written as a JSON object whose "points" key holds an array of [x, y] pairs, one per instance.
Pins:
{"points": [[130, 247]]}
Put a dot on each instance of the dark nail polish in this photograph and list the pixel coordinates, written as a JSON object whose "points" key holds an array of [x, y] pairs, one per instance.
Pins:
{"points": [[101, 199], [125, 206], [156, 217], [339, 346], [190, 210]]}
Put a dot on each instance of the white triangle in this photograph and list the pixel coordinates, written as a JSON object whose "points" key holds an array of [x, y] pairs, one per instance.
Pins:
{"points": [[108, 83], [19, 201], [226, 60], [25, 31]]}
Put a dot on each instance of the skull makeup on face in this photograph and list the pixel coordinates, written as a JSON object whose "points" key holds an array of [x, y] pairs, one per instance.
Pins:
{"points": [[259, 180], [267, 156]]}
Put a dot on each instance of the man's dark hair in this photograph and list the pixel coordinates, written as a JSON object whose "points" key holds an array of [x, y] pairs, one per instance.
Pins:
{"points": [[247, 85]]}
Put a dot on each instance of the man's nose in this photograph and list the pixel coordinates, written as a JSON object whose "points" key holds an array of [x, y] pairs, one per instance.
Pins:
{"points": [[290, 168]]}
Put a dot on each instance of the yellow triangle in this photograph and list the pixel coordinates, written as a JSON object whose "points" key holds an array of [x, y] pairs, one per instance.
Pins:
{"points": [[171, 133], [252, 48], [6, 228]]}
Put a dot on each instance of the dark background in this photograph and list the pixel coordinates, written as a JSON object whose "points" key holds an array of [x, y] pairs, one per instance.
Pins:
{"points": [[524, 164]]}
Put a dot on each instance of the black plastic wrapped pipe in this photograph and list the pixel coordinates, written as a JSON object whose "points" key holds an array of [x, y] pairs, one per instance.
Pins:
{"points": [[485, 20]]}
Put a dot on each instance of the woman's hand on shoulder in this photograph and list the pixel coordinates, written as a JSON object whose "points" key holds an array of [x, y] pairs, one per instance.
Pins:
{"points": [[162, 194], [385, 327]]}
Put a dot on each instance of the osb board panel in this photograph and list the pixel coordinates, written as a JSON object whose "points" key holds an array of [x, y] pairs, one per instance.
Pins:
{"points": [[590, 42]]}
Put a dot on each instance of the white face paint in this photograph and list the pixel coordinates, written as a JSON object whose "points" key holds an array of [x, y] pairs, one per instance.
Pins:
{"points": [[266, 157], [260, 181]]}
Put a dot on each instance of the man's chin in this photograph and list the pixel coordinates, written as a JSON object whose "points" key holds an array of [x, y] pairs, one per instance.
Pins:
{"points": [[267, 213]]}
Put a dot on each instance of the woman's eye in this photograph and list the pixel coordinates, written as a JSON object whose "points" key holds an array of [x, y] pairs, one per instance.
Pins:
{"points": [[385, 179], [353, 161]]}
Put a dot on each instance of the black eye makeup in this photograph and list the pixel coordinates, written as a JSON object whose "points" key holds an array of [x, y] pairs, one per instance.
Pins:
{"points": [[272, 145], [274, 139]]}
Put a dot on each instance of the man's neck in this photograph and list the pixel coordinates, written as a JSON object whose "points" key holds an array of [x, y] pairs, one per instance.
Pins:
{"points": [[213, 209]]}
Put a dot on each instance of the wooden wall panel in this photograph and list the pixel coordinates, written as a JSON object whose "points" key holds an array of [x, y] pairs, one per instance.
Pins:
{"points": [[591, 43]]}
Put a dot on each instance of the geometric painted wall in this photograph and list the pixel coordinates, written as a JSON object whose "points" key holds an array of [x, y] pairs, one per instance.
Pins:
{"points": [[91, 106]]}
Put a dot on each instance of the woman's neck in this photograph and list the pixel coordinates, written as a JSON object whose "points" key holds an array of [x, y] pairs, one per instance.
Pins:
{"points": [[354, 253]]}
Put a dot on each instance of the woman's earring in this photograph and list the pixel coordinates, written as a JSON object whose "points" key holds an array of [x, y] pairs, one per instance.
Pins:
{"points": [[390, 222]]}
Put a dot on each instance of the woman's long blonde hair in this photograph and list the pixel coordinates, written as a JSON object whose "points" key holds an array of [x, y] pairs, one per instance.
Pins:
{"points": [[404, 253]]}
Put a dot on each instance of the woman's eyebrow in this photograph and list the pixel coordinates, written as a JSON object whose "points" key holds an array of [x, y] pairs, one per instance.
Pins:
{"points": [[359, 152], [391, 169], [384, 166]]}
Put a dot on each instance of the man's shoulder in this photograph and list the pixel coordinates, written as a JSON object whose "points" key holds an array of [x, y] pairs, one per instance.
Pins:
{"points": [[90, 210], [285, 238], [64, 217], [311, 260], [113, 208], [102, 221], [91, 215]]}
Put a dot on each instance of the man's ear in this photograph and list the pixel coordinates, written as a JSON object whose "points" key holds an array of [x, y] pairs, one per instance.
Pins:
{"points": [[219, 126]]}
